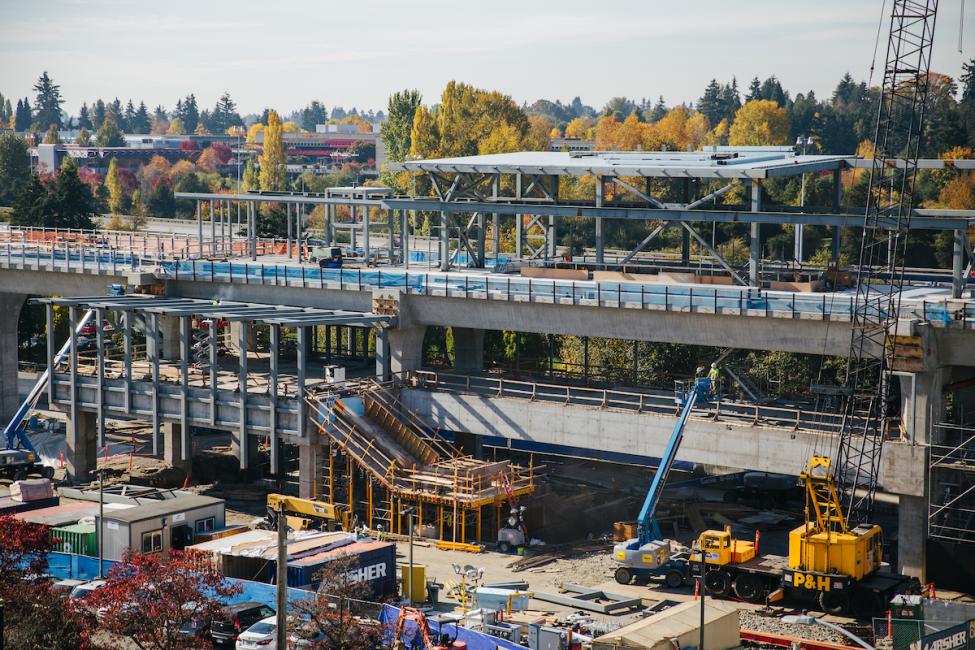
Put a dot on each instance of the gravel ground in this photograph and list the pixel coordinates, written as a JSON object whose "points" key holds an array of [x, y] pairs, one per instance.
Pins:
{"points": [[753, 621]]}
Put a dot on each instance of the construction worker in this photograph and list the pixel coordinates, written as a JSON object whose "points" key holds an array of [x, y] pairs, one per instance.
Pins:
{"points": [[699, 373], [714, 374]]}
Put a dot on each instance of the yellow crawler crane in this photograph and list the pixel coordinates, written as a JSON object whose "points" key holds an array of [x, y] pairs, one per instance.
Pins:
{"points": [[830, 564], [826, 558]]}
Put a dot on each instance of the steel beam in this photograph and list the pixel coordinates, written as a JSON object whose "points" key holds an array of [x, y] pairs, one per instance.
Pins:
{"points": [[755, 237]]}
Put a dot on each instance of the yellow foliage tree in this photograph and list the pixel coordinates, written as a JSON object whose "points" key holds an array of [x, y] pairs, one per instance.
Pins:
{"points": [[290, 127], [117, 201], [578, 128], [539, 132], [271, 161], [718, 136], [671, 129], [253, 130], [425, 134], [607, 130], [554, 133], [503, 139], [696, 131], [959, 194], [760, 122], [176, 127]]}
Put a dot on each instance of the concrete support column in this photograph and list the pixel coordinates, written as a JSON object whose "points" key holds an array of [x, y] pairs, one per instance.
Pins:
{"points": [[168, 339], [240, 329], [922, 403], [958, 263], [837, 201], [311, 470], [82, 442], [383, 366], [468, 348], [755, 237], [912, 536], [10, 306], [172, 434], [444, 241], [404, 351]]}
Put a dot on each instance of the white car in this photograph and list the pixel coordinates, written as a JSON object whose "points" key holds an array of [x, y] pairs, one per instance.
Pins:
{"points": [[83, 590], [260, 635]]}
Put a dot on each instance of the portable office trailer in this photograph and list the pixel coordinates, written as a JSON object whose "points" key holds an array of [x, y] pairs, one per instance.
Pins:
{"points": [[160, 525]]}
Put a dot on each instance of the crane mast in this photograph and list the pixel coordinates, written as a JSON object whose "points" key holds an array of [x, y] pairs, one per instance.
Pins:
{"points": [[890, 201]]}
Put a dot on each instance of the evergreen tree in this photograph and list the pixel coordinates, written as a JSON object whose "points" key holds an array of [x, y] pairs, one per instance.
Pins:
{"points": [[189, 112], [710, 102], [312, 115], [659, 110], [84, 120], [159, 113], [5, 111], [140, 121], [224, 115], [250, 180], [98, 118], [772, 89], [754, 90], [396, 129], [129, 122], [22, 116], [109, 135], [730, 101], [117, 113], [338, 113], [65, 202], [47, 106], [14, 167]]}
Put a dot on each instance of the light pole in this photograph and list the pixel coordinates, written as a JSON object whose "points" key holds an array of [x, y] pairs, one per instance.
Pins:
{"points": [[100, 472], [409, 513], [812, 620], [801, 142]]}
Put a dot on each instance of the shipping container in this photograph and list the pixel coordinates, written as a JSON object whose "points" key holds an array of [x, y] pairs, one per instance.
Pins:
{"points": [[376, 565], [80, 539]]}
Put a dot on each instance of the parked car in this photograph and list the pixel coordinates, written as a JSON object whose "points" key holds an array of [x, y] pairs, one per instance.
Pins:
{"points": [[260, 635], [84, 590], [238, 617]]}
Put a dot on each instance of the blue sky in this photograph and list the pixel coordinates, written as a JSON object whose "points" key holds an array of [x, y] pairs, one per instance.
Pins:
{"points": [[285, 53]]}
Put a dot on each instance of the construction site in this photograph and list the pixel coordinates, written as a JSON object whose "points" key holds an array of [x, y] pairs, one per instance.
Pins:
{"points": [[337, 389]]}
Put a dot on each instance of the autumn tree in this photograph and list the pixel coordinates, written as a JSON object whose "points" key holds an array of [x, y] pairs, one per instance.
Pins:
{"points": [[176, 127], [118, 200], [148, 598], [271, 161], [84, 138], [52, 136], [35, 616], [579, 128], [760, 122], [333, 618]]}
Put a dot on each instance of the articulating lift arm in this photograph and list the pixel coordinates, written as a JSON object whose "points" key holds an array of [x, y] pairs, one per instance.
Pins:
{"points": [[647, 528], [14, 432]]}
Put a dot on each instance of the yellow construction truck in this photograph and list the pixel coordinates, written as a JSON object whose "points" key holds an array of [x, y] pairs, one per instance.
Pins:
{"points": [[839, 568], [306, 514]]}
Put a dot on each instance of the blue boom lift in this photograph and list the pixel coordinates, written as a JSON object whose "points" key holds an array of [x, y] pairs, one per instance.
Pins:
{"points": [[649, 554], [19, 458]]}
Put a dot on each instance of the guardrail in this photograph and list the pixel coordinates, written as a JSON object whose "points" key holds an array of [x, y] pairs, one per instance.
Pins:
{"points": [[771, 416], [739, 301]]}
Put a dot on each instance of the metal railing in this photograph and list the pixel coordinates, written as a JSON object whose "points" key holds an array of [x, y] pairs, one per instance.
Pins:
{"points": [[744, 301], [771, 416]]}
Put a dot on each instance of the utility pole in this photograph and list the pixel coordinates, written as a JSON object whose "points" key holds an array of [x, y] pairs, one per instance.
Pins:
{"points": [[282, 580], [101, 522], [701, 590]]}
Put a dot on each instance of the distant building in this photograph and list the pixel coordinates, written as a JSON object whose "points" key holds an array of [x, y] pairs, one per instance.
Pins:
{"points": [[331, 145], [571, 144]]}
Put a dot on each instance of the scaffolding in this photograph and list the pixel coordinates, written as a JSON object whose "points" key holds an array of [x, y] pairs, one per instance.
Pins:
{"points": [[951, 492], [385, 464]]}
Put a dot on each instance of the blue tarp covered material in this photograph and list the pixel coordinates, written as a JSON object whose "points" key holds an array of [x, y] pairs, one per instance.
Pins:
{"points": [[475, 640]]}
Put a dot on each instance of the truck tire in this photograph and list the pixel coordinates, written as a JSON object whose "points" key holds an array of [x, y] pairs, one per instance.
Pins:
{"points": [[47, 472], [718, 583], [836, 603], [623, 575], [504, 547], [749, 588], [20, 473], [674, 579]]}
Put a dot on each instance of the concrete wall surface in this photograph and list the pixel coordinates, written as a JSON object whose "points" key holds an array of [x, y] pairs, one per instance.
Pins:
{"points": [[706, 442]]}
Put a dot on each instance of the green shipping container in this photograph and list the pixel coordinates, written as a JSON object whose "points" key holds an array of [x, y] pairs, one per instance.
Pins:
{"points": [[80, 539]]}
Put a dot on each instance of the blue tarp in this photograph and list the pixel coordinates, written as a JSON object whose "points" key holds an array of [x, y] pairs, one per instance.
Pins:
{"points": [[475, 640]]}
